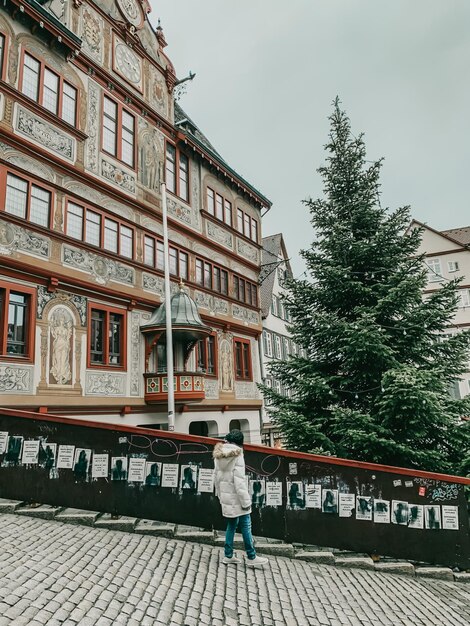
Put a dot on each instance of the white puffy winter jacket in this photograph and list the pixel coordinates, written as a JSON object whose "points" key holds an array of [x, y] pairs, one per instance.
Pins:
{"points": [[229, 479]]}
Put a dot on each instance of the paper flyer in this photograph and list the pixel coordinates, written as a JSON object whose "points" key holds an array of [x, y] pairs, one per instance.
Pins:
{"points": [[170, 474], [206, 480], [273, 493], [295, 495], [382, 511], [416, 516], [364, 508], [347, 504], [30, 452], [400, 512], [136, 470], [119, 468], [450, 517], [432, 516], [65, 457], [189, 477], [313, 496], [3, 441], [329, 502], [100, 466], [153, 474], [257, 490]]}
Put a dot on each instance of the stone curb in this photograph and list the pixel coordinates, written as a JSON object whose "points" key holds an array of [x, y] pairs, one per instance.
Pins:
{"points": [[312, 554]]}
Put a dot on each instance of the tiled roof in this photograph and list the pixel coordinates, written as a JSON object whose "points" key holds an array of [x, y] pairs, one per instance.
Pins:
{"points": [[462, 235], [186, 124]]}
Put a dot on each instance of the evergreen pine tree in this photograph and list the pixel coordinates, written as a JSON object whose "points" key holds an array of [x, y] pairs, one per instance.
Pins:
{"points": [[373, 379]]}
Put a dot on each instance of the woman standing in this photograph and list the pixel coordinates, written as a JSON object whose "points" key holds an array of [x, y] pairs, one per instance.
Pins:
{"points": [[232, 490]]}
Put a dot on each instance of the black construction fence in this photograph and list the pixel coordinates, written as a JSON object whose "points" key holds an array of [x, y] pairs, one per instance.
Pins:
{"points": [[296, 497]]}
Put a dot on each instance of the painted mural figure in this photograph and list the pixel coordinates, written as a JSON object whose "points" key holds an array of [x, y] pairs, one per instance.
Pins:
{"points": [[150, 161], [226, 367], [61, 331]]}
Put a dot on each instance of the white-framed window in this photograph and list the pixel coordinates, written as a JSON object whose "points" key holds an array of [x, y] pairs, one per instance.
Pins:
{"points": [[277, 386], [434, 270], [268, 343], [274, 306], [277, 347], [453, 266], [285, 348], [464, 297]]}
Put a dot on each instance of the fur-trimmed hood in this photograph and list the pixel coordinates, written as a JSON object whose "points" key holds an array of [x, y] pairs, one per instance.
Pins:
{"points": [[226, 451]]}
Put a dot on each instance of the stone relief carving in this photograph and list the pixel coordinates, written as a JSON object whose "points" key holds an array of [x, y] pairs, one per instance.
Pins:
{"points": [[182, 213], [219, 234], [153, 283], [155, 227], [151, 148], [104, 384], [92, 143], [211, 388], [248, 251], [213, 304], [42, 132], [102, 270], [246, 315], [87, 193], [79, 302], [92, 34], [225, 362], [61, 351], [27, 163], [135, 354], [15, 379], [246, 391], [119, 177], [14, 238]]}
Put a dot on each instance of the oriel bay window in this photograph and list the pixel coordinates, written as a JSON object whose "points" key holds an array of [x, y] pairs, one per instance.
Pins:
{"points": [[242, 359], [155, 257], [206, 356], [107, 337], [118, 131], [17, 306], [99, 230], [49, 89], [177, 172], [27, 200]]}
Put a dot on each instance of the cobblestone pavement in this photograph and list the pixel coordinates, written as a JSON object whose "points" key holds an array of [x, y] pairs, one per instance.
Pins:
{"points": [[53, 573]]}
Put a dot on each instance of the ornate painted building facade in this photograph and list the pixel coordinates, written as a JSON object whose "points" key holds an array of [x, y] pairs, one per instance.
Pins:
{"points": [[88, 130]]}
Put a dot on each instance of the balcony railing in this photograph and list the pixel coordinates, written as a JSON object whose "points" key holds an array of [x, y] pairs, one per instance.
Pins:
{"points": [[189, 387]]}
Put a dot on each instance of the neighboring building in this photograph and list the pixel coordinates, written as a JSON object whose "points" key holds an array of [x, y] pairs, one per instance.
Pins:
{"points": [[88, 128], [276, 344], [447, 257]]}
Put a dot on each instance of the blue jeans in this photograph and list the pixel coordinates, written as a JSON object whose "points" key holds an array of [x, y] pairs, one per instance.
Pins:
{"points": [[244, 521]]}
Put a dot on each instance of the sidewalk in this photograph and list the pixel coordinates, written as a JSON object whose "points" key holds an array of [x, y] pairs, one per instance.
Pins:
{"points": [[54, 573]]}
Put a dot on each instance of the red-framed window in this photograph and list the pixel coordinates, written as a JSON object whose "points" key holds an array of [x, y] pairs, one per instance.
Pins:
{"points": [[154, 257], [242, 356], [218, 206], [3, 45], [247, 225], [206, 355], [17, 307], [107, 337], [245, 291], [27, 200], [177, 172], [49, 89], [211, 277], [98, 229], [118, 131]]}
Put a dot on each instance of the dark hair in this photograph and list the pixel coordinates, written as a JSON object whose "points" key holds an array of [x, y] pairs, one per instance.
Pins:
{"points": [[235, 436]]}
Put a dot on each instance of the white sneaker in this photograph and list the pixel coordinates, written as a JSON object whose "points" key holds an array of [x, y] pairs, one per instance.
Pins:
{"points": [[258, 561], [232, 559]]}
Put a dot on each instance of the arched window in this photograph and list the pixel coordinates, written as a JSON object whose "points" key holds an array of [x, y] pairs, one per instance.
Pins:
{"points": [[199, 428], [234, 425]]}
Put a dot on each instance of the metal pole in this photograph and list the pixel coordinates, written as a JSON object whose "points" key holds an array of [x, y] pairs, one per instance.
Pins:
{"points": [[169, 333]]}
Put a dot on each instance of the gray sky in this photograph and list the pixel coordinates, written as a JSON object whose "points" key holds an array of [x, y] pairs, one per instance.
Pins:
{"points": [[268, 71]]}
